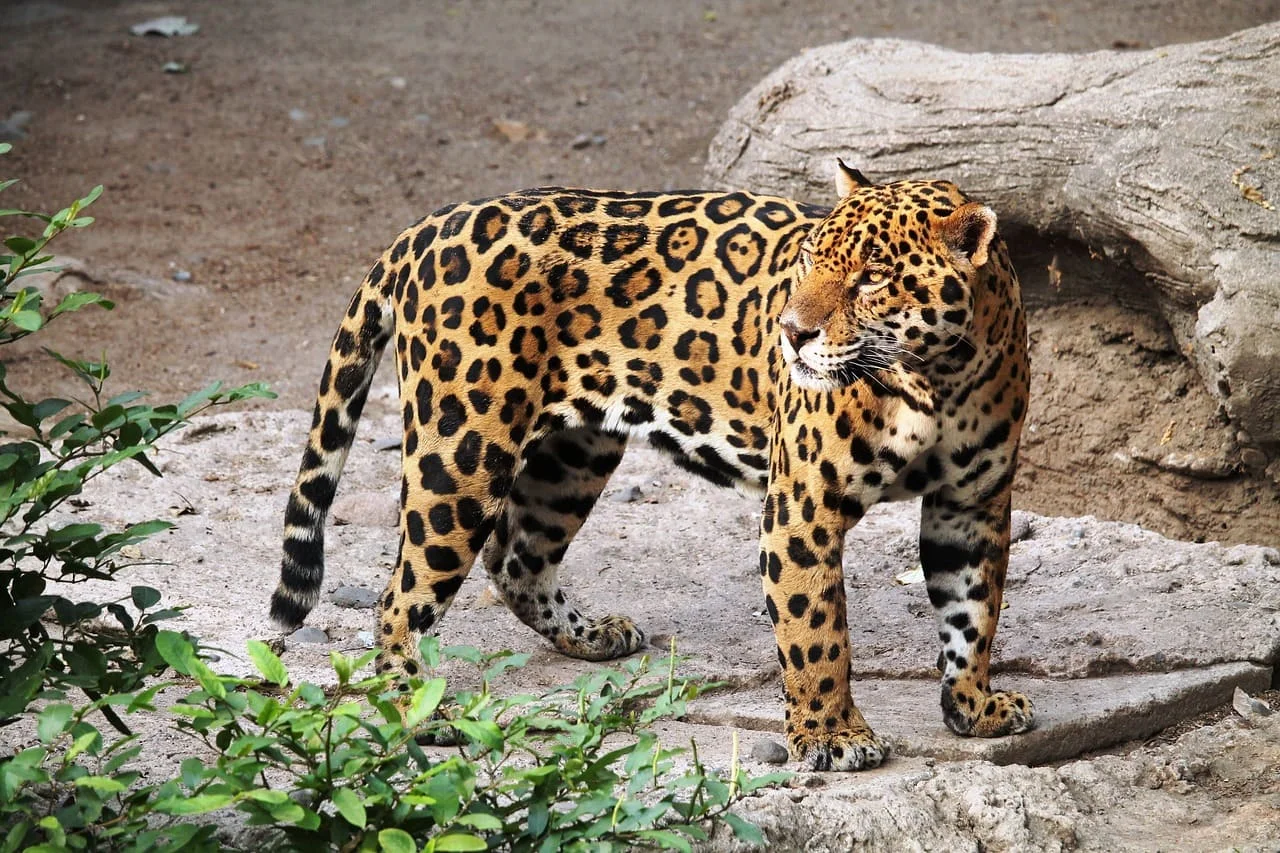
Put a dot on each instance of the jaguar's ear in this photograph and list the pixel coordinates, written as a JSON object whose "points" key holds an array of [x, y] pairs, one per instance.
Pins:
{"points": [[848, 178], [968, 232]]}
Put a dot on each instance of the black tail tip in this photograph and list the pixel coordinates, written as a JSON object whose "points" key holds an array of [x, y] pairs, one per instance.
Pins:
{"points": [[287, 613]]}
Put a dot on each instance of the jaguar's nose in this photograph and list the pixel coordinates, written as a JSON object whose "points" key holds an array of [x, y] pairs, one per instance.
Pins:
{"points": [[796, 335]]}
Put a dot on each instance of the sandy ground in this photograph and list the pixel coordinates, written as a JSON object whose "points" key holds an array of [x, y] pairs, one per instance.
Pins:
{"points": [[303, 135]]}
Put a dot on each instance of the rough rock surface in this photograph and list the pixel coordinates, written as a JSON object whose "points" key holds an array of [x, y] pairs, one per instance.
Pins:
{"points": [[1153, 173], [1215, 788]]}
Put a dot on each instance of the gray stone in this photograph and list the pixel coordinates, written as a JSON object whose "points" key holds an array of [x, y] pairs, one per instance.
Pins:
{"points": [[1214, 788], [14, 127], [1149, 170], [1073, 716], [1250, 709], [354, 597], [307, 635], [631, 494], [769, 751], [370, 509]]}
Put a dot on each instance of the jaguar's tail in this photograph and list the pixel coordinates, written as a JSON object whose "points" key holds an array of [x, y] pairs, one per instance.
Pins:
{"points": [[344, 386]]}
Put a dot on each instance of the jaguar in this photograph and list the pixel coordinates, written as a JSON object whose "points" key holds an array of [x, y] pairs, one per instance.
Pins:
{"points": [[825, 359]]}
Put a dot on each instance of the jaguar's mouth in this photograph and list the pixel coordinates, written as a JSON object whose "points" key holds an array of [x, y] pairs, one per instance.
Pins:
{"points": [[861, 364], [815, 380]]}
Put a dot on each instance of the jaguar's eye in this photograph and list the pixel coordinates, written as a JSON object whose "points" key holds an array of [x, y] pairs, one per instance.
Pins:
{"points": [[806, 258], [874, 276]]}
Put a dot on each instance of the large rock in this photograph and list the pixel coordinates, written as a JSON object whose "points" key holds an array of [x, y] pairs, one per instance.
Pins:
{"points": [[1150, 175]]}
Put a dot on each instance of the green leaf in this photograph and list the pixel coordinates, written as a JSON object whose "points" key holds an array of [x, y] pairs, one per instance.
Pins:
{"points": [[484, 732], [396, 841], [458, 841], [28, 321], [192, 772], [744, 830], [48, 408], [101, 784], [87, 740], [480, 820], [341, 666], [176, 651], [268, 795], [267, 663], [73, 533], [424, 702], [53, 721], [199, 804], [666, 839], [91, 197], [21, 245], [212, 683], [80, 299], [144, 597], [350, 807]]}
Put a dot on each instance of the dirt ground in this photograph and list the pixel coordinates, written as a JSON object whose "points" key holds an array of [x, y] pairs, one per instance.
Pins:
{"points": [[246, 195]]}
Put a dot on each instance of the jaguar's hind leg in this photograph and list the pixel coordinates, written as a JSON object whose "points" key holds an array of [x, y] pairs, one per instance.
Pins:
{"points": [[551, 498]]}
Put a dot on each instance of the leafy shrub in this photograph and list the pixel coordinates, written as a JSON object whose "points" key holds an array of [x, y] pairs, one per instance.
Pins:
{"points": [[570, 769], [97, 647]]}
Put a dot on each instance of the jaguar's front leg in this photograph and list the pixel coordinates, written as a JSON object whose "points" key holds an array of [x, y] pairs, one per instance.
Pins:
{"points": [[801, 552], [964, 551]]}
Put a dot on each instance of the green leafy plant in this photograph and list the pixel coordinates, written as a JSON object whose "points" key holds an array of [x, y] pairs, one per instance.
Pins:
{"points": [[50, 644], [574, 768]]}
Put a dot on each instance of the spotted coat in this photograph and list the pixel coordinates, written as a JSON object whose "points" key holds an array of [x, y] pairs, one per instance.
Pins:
{"points": [[827, 360]]}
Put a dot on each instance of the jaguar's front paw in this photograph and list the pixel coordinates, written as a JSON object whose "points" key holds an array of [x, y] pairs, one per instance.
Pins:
{"points": [[994, 715], [852, 749]]}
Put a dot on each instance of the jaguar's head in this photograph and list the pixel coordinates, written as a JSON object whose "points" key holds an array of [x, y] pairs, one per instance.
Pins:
{"points": [[887, 277]]}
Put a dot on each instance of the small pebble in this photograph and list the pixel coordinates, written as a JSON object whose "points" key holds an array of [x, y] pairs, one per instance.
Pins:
{"points": [[628, 495], [582, 140], [387, 443], [314, 141], [304, 797], [1020, 526], [769, 751], [181, 275], [296, 114], [1252, 457], [398, 82], [339, 121], [354, 597], [365, 638], [15, 126], [599, 139], [309, 635]]}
